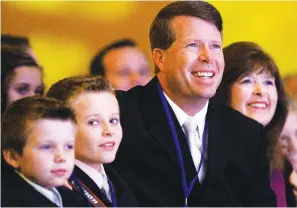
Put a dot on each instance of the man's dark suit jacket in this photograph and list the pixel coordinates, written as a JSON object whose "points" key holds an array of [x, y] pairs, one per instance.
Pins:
{"points": [[237, 172], [16, 192], [124, 195]]}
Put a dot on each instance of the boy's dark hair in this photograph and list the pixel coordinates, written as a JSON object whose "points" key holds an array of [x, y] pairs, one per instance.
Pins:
{"points": [[97, 66], [10, 60], [241, 59], [161, 34], [65, 89], [21, 113]]}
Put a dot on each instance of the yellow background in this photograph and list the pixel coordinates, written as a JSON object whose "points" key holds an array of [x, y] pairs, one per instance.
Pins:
{"points": [[65, 35]]}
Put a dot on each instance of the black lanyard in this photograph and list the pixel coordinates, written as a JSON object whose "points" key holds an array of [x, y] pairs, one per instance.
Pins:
{"points": [[87, 194], [186, 188]]}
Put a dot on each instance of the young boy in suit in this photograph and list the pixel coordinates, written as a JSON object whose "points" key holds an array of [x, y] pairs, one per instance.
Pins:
{"points": [[98, 138], [38, 137]]}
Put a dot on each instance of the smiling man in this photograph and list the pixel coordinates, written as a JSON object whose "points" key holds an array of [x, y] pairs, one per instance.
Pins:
{"points": [[180, 148]]}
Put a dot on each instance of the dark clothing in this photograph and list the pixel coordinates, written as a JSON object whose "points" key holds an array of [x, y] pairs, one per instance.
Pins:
{"points": [[124, 195], [16, 192], [290, 198], [237, 170]]}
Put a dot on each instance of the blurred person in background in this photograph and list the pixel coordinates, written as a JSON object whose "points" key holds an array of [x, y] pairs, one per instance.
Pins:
{"points": [[17, 43], [123, 64], [288, 141], [290, 82], [252, 85], [21, 77]]}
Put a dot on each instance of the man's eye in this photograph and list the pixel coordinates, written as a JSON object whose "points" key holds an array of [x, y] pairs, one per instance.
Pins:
{"points": [[193, 45], [216, 46]]}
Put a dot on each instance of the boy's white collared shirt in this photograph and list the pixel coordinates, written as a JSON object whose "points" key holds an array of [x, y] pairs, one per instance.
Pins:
{"points": [[99, 177], [52, 194]]}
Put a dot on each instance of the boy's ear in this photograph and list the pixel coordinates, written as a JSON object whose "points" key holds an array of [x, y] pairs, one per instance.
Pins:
{"points": [[158, 58], [12, 158]]}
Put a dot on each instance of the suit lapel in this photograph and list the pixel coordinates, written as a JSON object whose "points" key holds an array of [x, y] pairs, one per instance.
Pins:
{"points": [[27, 193], [157, 123], [159, 128], [219, 146], [83, 177]]}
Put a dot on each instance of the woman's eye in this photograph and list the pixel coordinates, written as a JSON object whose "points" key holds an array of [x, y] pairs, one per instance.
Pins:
{"points": [[39, 91], [114, 120], [246, 81], [269, 82], [23, 90]]}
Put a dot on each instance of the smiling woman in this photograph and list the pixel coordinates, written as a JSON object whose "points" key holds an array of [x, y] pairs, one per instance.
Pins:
{"points": [[251, 84]]}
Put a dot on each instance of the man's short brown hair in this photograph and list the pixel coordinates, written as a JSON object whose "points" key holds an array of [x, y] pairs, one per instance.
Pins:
{"points": [[161, 34]]}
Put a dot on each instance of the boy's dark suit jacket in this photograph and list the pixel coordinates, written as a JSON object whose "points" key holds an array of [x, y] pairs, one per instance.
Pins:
{"points": [[124, 195], [16, 192], [237, 169]]}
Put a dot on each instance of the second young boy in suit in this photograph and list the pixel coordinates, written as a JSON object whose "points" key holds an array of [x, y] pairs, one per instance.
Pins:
{"points": [[99, 136]]}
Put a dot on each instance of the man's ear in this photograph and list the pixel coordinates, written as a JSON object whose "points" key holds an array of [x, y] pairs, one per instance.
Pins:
{"points": [[158, 58], [12, 158]]}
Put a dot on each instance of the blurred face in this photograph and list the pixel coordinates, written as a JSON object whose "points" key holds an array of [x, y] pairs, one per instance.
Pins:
{"points": [[291, 85], [99, 129], [288, 138], [255, 96], [27, 81], [192, 68], [48, 156], [126, 67]]}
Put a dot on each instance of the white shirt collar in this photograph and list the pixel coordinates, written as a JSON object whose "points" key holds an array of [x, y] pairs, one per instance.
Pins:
{"points": [[182, 116], [95, 175], [53, 194]]}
